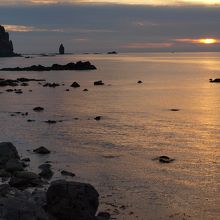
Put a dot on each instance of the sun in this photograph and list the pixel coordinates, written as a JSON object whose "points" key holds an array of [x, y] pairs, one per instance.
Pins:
{"points": [[208, 41]]}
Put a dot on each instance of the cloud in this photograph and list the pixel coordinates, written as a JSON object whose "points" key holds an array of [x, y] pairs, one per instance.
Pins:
{"points": [[147, 45]]}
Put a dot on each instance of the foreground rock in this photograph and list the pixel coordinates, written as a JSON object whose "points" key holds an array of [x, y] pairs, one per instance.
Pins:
{"points": [[72, 200], [70, 66], [15, 82]]}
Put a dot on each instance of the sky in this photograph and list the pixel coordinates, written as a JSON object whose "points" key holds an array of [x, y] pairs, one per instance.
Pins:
{"points": [[40, 26]]}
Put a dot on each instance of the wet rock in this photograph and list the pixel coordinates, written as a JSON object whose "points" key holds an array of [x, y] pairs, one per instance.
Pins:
{"points": [[55, 67], [30, 120], [98, 118], [72, 200], [29, 80], [50, 122], [67, 173], [8, 82], [164, 159], [41, 150], [217, 80], [46, 171], [103, 216], [24, 84], [38, 109], [174, 109], [139, 82], [4, 173], [14, 165], [22, 205], [85, 90], [7, 152], [75, 85], [52, 85], [25, 179], [26, 159], [99, 83], [112, 52], [18, 91]]}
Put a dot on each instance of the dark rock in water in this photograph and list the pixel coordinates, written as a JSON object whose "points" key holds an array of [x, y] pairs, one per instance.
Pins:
{"points": [[85, 90], [9, 90], [46, 172], [30, 120], [24, 84], [38, 109], [26, 159], [99, 83], [69, 66], [67, 90], [164, 159], [72, 200], [217, 80], [103, 216], [29, 80], [41, 150], [61, 49], [25, 179], [75, 85], [8, 82], [112, 52], [6, 45], [18, 91], [139, 82], [67, 173], [51, 122], [98, 118], [7, 152], [22, 205], [52, 85], [174, 109], [14, 165]]}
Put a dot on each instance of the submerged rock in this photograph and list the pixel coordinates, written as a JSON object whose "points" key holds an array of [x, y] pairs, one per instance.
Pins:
{"points": [[72, 200], [41, 150], [67, 173], [164, 159]]}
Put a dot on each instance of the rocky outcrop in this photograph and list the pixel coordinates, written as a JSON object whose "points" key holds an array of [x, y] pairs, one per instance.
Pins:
{"points": [[72, 200], [6, 45], [61, 49], [69, 66]]}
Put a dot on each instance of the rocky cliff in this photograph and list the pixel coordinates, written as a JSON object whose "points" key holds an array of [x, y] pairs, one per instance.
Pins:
{"points": [[6, 45]]}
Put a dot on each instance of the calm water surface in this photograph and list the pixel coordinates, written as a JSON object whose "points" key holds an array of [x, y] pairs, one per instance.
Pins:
{"points": [[115, 154]]}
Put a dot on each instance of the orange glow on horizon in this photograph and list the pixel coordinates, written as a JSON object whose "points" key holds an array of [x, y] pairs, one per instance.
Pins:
{"points": [[199, 41]]}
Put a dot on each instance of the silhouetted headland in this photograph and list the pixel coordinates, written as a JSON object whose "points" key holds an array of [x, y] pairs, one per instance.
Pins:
{"points": [[6, 45], [69, 66]]}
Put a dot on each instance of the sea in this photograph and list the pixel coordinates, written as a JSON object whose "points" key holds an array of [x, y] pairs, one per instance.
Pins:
{"points": [[117, 153]]}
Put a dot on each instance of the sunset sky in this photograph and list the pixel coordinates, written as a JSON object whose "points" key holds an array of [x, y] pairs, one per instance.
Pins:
{"points": [[37, 26]]}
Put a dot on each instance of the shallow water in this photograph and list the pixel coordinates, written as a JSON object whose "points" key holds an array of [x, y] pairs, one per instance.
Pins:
{"points": [[115, 154]]}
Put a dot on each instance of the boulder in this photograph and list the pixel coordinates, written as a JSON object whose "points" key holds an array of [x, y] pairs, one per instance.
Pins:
{"points": [[14, 165], [46, 172], [72, 200], [7, 152], [67, 173], [25, 179]]}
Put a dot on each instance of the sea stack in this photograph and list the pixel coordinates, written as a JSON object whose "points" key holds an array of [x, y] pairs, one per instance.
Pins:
{"points": [[6, 45], [61, 49]]}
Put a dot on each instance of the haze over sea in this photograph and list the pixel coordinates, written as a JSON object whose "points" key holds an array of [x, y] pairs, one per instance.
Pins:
{"points": [[115, 154]]}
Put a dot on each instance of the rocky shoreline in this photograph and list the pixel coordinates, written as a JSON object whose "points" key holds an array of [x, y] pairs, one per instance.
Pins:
{"points": [[55, 67], [28, 196]]}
